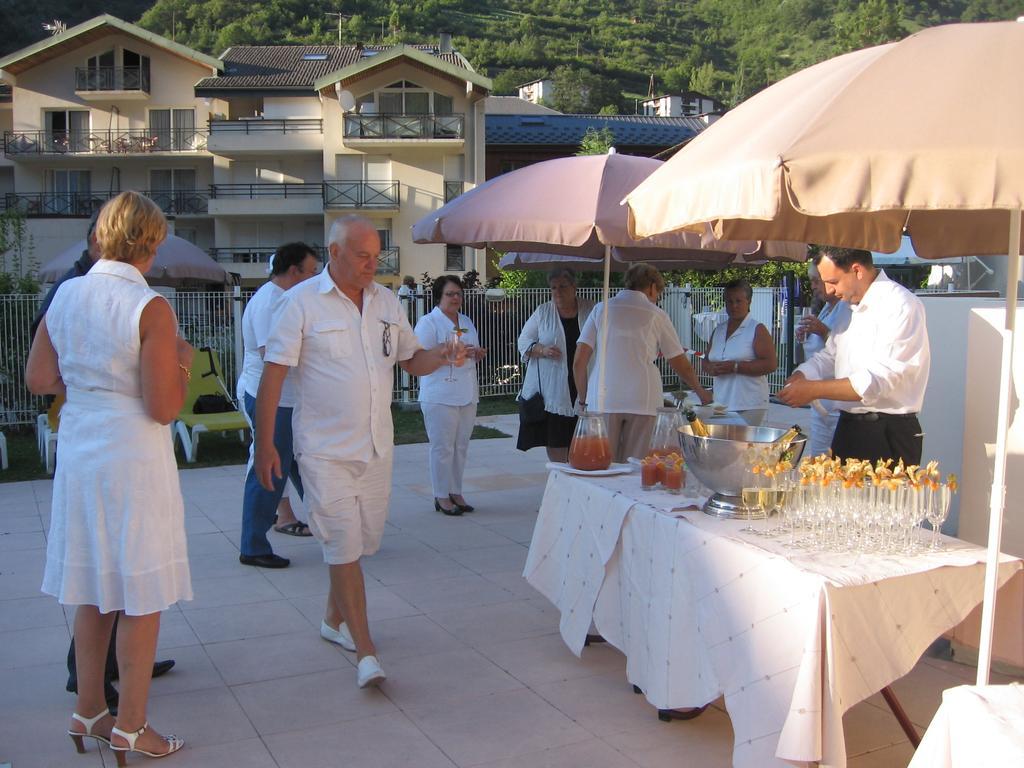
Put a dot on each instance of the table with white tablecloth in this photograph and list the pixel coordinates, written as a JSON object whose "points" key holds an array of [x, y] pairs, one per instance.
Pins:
{"points": [[791, 639], [975, 727]]}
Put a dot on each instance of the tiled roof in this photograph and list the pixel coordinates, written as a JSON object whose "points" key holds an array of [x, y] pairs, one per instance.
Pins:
{"points": [[629, 130], [283, 66]]}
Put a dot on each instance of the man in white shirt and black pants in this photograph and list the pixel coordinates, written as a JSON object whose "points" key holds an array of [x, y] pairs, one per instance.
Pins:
{"points": [[877, 368]]}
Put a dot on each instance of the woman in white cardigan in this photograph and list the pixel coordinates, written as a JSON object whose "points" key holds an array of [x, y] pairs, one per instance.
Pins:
{"points": [[548, 344], [448, 399]]}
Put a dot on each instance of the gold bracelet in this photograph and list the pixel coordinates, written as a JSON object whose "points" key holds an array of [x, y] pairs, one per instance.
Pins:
{"points": [[188, 372]]}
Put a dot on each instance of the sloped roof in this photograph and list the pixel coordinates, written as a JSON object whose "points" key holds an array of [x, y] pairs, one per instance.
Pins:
{"points": [[454, 65], [629, 130], [287, 67], [93, 29]]}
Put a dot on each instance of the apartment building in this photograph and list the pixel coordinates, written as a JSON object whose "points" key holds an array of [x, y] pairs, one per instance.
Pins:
{"points": [[265, 145], [102, 107]]}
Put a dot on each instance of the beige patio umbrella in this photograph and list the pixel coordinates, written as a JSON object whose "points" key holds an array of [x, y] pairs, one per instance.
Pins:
{"points": [[177, 261], [922, 136]]}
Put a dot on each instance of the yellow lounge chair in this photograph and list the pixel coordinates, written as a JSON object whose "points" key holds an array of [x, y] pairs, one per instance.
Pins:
{"points": [[206, 380]]}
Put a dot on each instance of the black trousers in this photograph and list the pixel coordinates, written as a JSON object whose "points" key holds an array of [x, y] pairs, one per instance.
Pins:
{"points": [[874, 436], [110, 673]]}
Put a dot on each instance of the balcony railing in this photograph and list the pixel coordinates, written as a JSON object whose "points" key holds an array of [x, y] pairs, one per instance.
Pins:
{"points": [[453, 189], [387, 262], [361, 194], [66, 204], [20, 143], [261, 125], [111, 79], [404, 126], [253, 254], [180, 202], [265, 189], [84, 204]]}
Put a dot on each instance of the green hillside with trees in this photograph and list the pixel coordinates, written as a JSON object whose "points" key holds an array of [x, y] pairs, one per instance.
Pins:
{"points": [[728, 49]]}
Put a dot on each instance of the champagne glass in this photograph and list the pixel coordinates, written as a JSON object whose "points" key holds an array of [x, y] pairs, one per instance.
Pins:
{"points": [[938, 509], [451, 352]]}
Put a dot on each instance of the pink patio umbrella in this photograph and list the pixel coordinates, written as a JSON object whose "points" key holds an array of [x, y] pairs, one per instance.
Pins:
{"points": [[572, 206], [857, 151], [176, 260]]}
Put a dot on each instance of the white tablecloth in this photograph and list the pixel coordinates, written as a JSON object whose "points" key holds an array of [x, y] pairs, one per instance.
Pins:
{"points": [[701, 610], [975, 727]]}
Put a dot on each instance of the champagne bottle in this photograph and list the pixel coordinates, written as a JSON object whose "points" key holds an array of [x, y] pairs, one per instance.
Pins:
{"points": [[785, 443], [696, 425]]}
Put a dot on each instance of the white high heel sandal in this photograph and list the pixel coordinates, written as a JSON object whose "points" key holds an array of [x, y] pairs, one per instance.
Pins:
{"points": [[88, 722], [121, 753]]}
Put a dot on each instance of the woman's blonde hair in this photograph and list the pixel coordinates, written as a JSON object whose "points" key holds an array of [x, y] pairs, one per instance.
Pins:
{"points": [[641, 275], [129, 228]]}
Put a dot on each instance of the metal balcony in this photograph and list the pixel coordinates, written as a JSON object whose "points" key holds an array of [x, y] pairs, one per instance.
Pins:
{"points": [[361, 194], [35, 143], [261, 126], [387, 262], [180, 202], [56, 204], [266, 189], [384, 127], [453, 189], [112, 79]]}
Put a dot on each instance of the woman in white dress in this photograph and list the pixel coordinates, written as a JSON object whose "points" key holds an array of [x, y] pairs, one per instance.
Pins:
{"points": [[740, 357], [117, 530], [448, 397]]}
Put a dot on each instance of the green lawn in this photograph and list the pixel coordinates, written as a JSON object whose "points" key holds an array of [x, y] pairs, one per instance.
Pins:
{"points": [[217, 450]]}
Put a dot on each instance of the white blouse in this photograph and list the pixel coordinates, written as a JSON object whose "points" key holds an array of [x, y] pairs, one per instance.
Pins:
{"points": [[545, 327], [736, 391], [431, 330]]}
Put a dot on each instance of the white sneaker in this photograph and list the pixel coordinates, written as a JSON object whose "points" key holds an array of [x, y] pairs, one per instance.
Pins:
{"points": [[370, 672], [341, 635]]}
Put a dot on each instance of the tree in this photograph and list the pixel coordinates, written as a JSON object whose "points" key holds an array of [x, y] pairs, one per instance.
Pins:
{"points": [[873, 22], [596, 141], [579, 91], [17, 255]]}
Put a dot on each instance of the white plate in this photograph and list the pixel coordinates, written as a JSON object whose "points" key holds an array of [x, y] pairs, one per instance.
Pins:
{"points": [[614, 469]]}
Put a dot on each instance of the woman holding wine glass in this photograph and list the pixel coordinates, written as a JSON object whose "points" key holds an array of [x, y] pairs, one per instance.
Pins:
{"points": [[448, 397]]}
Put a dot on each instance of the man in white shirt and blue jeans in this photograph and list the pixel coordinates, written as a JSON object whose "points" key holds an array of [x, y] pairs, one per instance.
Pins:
{"points": [[292, 264], [877, 367], [342, 333]]}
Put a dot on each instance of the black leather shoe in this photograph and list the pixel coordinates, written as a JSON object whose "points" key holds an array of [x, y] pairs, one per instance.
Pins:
{"points": [[264, 561], [452, 512], [461, 507], [162, 667]]}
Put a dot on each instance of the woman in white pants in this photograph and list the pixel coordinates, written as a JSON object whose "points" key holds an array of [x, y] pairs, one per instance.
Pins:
{"points": [[448, 397]]}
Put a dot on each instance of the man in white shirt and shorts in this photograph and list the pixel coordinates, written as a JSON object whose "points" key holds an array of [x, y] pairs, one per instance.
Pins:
{"points": [[343, 334], [876, 368]]}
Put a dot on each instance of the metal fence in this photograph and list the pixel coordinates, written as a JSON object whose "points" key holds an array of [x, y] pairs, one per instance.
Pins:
{"points": [[211, 319]]}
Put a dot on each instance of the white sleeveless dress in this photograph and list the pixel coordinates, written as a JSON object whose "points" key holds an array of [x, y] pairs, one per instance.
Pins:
{"points": [[117, 529]]}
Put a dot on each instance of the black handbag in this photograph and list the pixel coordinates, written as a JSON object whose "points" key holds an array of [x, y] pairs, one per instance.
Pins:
{"points": [[212, 404], [531, 409]]}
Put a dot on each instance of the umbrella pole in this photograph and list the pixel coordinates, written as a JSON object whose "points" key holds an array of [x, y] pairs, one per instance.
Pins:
{"points": [[236, 322], [604, 330], [997, 500]]}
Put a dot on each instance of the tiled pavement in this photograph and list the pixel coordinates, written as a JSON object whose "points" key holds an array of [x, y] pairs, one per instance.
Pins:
{"points": [[478, 675]]}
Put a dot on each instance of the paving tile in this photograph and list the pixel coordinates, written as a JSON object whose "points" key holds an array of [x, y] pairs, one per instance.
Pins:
{"points": [[193, 671], [29, 612], [306, 701], [516, 723], [489, 624], [897, 756], [175, 631], [546, 659], [384, 741], [592, 754], [411, 636], [449, 594], [248, 753], [868, 728], [202, 718], [250, 587], [36, 689], [505, 558], [427, 683], [603, 703], [29, 647], [10, 542], [277, 656], [238, 622], [413, 568]]}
